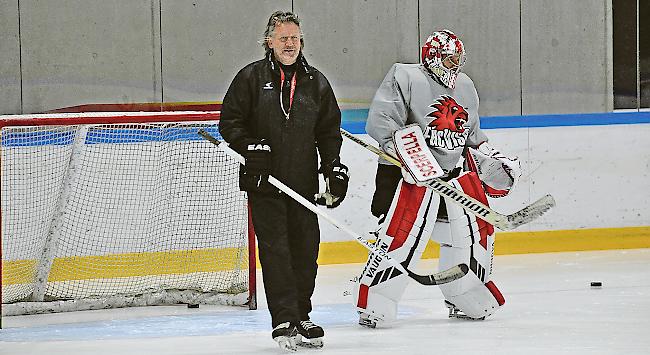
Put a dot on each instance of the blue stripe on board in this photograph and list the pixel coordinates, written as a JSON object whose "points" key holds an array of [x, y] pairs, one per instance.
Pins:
{"points": [[33, 139], [582, 119], [103, 136], [354, 123], [133, 135]]}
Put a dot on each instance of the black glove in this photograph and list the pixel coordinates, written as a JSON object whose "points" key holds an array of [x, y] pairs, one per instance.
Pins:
{"points": [[253, 176], [336, 184], [258, 157]]}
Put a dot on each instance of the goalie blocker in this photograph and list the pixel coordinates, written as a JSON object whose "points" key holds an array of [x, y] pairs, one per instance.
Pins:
{"points": [[463, 238]]}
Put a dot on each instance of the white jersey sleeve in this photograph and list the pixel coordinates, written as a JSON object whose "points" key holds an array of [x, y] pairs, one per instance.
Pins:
{"points": [[388, 111]]}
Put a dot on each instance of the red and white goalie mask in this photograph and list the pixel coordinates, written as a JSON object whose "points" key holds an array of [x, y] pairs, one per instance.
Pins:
{"points": [[443, 54], [498, 173]]}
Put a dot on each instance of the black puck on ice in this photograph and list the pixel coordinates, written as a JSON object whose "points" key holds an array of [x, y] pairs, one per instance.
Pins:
{"points": [[190, 305], [596, 284]]}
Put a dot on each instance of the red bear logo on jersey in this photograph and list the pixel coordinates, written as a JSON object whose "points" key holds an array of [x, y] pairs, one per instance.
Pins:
{"points": [[448, 115], [447, 129]]}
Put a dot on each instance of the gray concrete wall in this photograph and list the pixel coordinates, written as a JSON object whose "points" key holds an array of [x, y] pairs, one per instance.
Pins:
{"points": [[525, 56], [355, 42], [9, 58], [88, 51], [205, 43], [565, 60]]}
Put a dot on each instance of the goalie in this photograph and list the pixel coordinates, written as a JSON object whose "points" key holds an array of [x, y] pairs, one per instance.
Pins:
{"points": [[427, 115]]}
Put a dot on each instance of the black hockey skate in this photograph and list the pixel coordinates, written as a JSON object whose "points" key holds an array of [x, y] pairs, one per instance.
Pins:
{"points": [[285, 335], [312, 334], [457, 313], [367, 321]]}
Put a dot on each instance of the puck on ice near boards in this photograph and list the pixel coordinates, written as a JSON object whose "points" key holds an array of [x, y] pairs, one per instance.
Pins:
{"points": [[596, 284]]}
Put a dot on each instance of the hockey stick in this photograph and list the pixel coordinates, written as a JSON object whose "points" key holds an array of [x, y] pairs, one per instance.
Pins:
{"points": [[451, 274], [470, 204]]}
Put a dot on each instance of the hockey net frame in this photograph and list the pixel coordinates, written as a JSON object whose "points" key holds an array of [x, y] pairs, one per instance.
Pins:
{"points": [[38, 302]]}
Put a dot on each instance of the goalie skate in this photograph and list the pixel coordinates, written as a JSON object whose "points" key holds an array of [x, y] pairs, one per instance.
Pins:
{"points": [[285, 335], [457, 313], [367, 321], [309, 335]]}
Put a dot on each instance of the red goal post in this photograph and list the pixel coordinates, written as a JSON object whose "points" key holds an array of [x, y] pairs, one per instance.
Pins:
{"points": [[116, 209]]}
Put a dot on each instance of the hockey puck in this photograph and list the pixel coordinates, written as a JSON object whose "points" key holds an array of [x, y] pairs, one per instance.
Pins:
{"points": [[596, 284], [190, 305]]}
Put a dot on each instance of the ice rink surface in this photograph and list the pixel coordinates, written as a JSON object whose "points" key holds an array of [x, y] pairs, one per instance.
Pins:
{"points": [[550, 309]]}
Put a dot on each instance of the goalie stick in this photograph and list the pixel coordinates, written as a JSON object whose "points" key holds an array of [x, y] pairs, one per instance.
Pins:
{"points": [[470, 204], [445, 276]]}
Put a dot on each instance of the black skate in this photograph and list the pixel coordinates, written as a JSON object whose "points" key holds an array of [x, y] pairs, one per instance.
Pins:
{"points": [[367, 321], [285, 335], [312, 334], [457, 313]]}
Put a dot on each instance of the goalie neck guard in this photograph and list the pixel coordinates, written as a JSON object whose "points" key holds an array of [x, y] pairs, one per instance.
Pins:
{"points": [[443, 55]]}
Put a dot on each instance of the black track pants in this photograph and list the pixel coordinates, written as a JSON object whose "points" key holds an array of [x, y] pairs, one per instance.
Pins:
{"points": [[288, 239]]}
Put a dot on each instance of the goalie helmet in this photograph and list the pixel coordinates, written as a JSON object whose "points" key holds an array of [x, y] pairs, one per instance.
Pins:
{"points": [[443, 55]]}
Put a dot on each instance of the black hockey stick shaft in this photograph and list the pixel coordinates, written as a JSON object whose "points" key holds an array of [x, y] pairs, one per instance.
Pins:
{"points": [[468, 203], [441, 277]]}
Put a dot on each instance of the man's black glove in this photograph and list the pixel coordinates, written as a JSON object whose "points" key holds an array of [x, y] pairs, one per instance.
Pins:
{"points": [[336, 184], [258, 157], [254, 174]]}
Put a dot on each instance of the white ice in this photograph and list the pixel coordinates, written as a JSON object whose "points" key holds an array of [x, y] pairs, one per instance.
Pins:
{"points": [[550, 309]]}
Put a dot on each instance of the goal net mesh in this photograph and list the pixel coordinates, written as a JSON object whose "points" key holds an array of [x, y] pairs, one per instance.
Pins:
{"points": [[98, 215]]}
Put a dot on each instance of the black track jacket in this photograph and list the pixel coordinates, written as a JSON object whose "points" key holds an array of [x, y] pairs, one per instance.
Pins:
{"points": [[251, 110]]}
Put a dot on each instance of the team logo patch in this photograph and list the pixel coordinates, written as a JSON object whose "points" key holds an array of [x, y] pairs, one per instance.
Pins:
{"points": [[447, 129]]}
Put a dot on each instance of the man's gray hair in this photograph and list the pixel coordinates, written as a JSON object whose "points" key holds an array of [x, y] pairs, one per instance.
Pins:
{"points": [[275, 19]]}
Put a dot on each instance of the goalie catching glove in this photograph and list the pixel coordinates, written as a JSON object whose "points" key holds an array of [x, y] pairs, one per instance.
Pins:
{"points": [[498, 173], [336, 184]]}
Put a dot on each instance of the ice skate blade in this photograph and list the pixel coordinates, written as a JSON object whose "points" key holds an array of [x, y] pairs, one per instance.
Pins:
{"points": [[315, 343], [368, 323], [462, 316], [455, 312], [286, 343]]}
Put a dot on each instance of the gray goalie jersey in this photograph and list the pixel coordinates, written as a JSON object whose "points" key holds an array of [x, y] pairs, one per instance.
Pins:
{"points": [[448, 118]]}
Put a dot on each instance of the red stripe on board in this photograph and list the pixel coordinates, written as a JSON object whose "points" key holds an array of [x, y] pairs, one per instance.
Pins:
{"points": [[141, 106], [405, 214], [472, 186], [362, 301], [496, 293], [115, 118]]}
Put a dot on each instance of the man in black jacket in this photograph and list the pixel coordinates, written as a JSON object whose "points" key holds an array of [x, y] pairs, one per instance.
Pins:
{"points": [[280, 114]]}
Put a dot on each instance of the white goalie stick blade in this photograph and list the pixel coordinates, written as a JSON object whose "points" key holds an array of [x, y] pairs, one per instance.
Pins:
{"points": [[415, 154], [470, 204], [451, 274]]}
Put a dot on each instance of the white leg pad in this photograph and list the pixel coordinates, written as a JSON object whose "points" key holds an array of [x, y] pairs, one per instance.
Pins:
{"points": [[404, 236], [478, 301], [380, 304], [467, 239]]}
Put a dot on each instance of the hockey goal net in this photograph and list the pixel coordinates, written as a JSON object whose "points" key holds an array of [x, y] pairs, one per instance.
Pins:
{"points": [[104, 210]]}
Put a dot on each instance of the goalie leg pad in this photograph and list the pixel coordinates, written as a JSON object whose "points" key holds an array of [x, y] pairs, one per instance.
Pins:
{"points": [[480, 300], [474, 294], [470, 240], [464, 228], [404, 236]]}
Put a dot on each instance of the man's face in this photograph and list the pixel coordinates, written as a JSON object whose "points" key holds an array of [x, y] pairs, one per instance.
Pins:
{"points": [[285, 42], [452, 61]]}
